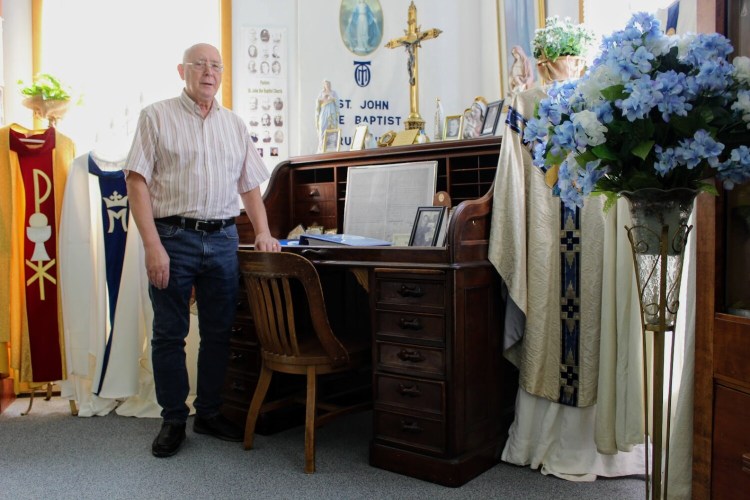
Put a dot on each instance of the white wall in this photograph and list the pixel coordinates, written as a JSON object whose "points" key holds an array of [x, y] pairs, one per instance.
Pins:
{"points": [[17, 58], [460, 64]]}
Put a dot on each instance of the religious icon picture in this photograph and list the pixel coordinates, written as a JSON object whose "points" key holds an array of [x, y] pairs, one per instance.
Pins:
{"points": [[492, 117], [453, 127], [361, 25], [358, 141], [426, 227], [332, 140]]}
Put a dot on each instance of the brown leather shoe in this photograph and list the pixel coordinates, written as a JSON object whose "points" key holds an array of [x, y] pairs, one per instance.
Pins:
{"points": [[218, 426], [168, 441]]}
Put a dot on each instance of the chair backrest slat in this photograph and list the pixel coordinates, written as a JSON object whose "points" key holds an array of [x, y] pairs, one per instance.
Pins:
{"points": [[268, 278]]}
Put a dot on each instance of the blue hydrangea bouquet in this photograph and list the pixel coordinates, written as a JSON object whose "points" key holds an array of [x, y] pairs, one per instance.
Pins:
{"points": [[653, 111]]}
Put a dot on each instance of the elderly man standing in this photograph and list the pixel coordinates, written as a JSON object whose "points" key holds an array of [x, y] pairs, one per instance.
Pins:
{"points": [[189, 161]]}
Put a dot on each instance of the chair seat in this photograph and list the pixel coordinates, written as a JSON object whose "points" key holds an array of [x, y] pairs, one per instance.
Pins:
{"points": [[312, 353]]}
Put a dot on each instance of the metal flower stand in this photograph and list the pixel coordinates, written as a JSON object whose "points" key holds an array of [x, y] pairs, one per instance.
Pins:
{"points": [[658, 239]]}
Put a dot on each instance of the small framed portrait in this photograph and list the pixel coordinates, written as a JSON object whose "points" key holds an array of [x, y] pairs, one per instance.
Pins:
{"points": [[453, 128], [358, 140], [492, 117], [426, 227], [332, 140]]}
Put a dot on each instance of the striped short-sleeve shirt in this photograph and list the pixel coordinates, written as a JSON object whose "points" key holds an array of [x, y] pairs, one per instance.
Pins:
{"points": [[194, 166]]}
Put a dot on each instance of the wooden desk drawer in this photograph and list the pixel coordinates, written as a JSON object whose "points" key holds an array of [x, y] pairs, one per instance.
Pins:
{"points": [[423, 434], [314, 209], [244, 331], [319, 191], [730, 475], [410, 325], [413, 359], [410, 292], [239, 387], [410, 393], [244, 360]]}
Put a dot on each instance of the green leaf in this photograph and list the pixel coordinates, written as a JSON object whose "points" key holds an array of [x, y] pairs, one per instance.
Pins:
{"points": [[643, 149], [614, 92], [602, 151], [585, 157]]}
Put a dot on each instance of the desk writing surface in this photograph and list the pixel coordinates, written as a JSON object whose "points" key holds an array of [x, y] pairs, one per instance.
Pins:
{"points": [[398, 257]]}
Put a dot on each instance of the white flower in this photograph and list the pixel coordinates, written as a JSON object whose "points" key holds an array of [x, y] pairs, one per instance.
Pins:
{"points": [[661, 45], [742, 69], [743, 105], [592, 127], [683, 43]]}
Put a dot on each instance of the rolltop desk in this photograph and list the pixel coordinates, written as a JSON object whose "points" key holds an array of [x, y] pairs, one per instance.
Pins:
{"points": [[443, 395]]}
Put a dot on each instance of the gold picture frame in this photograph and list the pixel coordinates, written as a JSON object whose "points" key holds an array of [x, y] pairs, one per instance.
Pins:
{"points": [[358, 139], [453, 127], [332, 140], [405, 137]]}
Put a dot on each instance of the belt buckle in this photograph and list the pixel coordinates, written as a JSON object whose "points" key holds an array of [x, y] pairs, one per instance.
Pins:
{"points": [[204, 225]]}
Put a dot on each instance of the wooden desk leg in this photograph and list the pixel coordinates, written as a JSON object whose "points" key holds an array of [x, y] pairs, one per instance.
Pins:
{"points": [[73, 408], [49, 391]]}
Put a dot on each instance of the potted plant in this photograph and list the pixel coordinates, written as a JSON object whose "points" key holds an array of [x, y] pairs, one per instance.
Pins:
{"points": [[560, 48], [47, 96]]}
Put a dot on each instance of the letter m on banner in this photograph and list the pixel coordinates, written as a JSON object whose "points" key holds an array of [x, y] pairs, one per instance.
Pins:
{"points": [[362, 73]]}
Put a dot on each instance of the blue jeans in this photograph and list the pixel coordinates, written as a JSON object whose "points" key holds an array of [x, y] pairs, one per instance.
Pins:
{"points": [[208, 261]]}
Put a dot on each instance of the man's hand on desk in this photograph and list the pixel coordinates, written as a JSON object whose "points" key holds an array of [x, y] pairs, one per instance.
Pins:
{"points": [[267, 243]]}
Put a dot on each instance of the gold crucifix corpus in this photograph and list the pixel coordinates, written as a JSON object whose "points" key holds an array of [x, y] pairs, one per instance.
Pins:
{"points": [[411, 42]]}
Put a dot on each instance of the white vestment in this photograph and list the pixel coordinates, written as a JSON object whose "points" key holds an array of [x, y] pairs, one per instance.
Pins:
{"points": [[98, 383], [562, 302]]}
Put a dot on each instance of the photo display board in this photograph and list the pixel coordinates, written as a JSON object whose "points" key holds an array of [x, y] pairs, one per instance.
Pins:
{"points": [[382, 200]]}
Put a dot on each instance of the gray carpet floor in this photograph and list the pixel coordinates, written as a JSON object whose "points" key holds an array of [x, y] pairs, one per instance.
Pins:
{"points": [[51, 454]]}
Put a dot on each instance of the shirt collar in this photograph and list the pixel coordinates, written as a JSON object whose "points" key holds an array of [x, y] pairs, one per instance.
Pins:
{"points": [[193, 106]]}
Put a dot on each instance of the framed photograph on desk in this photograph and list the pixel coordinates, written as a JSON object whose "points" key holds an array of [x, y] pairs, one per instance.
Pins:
{"points": [[492, 117], [332, 140], [453, 128], [426, 227], [358, 141]]}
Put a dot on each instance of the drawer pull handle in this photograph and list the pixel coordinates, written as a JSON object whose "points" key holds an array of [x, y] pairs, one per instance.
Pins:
{"points": [[236, 356], [238, 387], [315, 209], [410, 324], [314, 192], [746, 463], [236, 331], [410, 390], [410, 291], [412, 356], [410, 426]]}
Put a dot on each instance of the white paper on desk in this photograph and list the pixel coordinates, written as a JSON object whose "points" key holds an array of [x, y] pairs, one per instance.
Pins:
{"points": [[382, 200]]}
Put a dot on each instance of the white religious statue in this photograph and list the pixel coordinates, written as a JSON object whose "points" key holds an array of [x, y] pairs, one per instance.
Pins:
{"points": [[474, 118], [521, 75], [439, 119], [326, 112]]}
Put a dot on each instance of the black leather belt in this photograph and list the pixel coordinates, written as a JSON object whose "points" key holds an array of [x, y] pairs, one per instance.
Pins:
{"points": [[208, 226]]}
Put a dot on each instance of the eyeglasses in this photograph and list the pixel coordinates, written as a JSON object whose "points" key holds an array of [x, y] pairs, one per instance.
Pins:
{"points": [[201, 65]]}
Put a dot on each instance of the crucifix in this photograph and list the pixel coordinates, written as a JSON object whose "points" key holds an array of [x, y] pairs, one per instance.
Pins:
{"points": [[411, 41]]}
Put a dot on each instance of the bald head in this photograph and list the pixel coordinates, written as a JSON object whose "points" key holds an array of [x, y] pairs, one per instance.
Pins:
{"points": [[200, 48]]}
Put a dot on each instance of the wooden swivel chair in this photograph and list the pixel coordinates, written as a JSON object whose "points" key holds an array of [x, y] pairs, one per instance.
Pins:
{"points": [[295, 338]]}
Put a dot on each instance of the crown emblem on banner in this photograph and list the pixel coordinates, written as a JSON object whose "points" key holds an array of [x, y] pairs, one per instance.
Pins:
{"points": [[116, 200]]}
